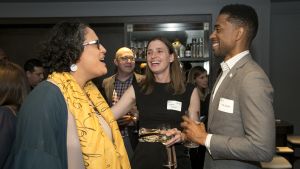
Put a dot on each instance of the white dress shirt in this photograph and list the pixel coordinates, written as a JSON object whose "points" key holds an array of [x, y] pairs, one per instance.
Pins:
{"points": [[226, 67]]}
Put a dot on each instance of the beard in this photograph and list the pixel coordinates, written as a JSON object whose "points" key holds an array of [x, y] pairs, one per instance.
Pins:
{"points": [[221, 51]]}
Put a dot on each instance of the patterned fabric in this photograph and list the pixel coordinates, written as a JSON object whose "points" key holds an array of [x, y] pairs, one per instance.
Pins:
{"points": [[98, 150], [119, 89]]}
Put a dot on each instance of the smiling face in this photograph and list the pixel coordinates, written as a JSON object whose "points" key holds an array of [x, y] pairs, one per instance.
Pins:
{"points": [[91, 62], [125, 60], [159, 58], [223, 37]]}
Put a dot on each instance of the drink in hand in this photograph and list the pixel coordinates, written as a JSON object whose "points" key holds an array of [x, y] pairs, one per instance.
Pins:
{"points": [[188, 143]]}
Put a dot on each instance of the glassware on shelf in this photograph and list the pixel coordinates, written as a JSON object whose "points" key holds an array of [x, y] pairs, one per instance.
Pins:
{"points": [[194, 48], [201, 48]]}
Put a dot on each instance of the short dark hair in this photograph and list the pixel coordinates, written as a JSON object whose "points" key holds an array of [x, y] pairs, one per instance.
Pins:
{"points": [[243, 15], [13, 84], [31, 63], [63, 46]]}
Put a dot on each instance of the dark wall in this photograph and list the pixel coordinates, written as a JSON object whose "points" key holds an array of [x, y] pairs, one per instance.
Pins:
{"points": [[21, 42], [285, 59], [144, 8], [112, 38]]}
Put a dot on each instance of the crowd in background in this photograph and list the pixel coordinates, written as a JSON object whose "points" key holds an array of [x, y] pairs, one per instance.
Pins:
{"points": [[136, 121]]}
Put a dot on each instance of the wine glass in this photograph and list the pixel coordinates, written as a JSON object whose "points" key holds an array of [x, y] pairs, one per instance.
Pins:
{"points": [[188, 143], [170, 161]]}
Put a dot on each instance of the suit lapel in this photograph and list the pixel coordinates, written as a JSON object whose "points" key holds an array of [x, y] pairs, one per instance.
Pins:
{"points": [[214, 103], [211, 100]]}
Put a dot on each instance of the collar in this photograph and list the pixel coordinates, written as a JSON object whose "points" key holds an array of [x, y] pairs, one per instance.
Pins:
{"points": [[232, 61], [129, 79]]}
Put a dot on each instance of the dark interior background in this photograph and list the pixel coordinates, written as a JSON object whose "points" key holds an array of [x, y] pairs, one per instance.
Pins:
{"points": [[24, 23]]}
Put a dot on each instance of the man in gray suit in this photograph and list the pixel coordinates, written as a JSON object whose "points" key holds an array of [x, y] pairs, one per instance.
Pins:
{"points": [[241, 125]]}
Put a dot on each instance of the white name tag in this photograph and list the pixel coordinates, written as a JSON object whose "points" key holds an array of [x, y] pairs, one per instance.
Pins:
{"points": [[226, 105], [174, 105]]}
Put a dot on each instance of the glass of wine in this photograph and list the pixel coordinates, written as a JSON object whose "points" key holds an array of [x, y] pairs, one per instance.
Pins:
{"points": [[188, 143], [170, 158]]}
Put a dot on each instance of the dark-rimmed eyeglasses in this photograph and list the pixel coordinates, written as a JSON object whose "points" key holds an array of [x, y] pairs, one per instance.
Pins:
{"points": [[94, 42]]}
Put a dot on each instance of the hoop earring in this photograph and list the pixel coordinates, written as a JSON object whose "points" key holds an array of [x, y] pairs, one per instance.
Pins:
{"points": [[73, 67]]}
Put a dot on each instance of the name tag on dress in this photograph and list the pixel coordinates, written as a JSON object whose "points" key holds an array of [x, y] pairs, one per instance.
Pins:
{"points": [[226, 105], [174, 105]]}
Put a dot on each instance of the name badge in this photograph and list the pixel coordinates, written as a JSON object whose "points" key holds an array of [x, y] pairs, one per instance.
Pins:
{"points": [[174, 105], [226, 105]]}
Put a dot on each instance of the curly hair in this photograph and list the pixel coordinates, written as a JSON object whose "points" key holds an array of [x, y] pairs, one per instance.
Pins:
{"points": [[63, 46]]}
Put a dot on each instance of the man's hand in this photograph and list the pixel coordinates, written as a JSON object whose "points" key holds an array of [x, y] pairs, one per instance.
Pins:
{"points": [[195, 132]]}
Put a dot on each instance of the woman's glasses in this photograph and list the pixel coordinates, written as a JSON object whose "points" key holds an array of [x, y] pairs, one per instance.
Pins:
{"points": [[97, 42]]}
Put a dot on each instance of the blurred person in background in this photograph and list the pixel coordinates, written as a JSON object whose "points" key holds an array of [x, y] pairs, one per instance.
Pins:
{"points": [[198, 76], [13, 89], [3, 55], [34, 71]]}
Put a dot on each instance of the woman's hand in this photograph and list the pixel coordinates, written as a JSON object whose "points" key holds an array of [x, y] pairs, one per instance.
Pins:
{"points": [[176, 136]]}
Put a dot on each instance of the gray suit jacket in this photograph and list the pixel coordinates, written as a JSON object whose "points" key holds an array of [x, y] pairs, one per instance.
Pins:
{"points": [[246, 136]]}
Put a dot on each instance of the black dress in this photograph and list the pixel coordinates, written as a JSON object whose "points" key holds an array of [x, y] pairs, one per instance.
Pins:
{"points": [[153, 113], [7, 133]]}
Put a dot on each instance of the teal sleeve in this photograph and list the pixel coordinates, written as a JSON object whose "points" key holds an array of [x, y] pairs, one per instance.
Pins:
{"points": [[41, 131]]}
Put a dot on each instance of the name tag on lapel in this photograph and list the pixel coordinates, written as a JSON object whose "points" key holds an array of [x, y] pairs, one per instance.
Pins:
{"points": [[174, 105], [226, 105]]}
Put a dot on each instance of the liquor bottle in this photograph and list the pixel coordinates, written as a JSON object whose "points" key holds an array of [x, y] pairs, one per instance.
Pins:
{"points": [[133, 47], [188, 51], [140, 48], [201, 48], [144, 52], [194, 48], [181, 51], [198, 48]]}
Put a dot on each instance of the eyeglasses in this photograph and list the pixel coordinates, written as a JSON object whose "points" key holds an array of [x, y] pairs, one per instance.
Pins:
{"points": [[97, 42], [127, 59]]}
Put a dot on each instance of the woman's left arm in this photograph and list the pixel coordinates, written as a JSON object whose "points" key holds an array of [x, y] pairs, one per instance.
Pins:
{"points": [[194, 107]]}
